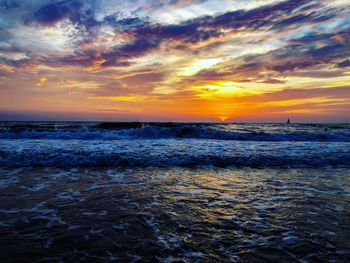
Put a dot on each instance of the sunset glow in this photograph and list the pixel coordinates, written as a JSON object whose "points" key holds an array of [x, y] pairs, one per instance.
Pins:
{"points": [[223, 118], [174, 130], [175, 60]]}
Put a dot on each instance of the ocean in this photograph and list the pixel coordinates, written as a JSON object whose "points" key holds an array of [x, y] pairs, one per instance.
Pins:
{"points": [[174, 192]]}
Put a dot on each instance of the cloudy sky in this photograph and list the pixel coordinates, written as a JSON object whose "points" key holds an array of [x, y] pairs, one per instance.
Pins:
{"points": [[175, 60]]}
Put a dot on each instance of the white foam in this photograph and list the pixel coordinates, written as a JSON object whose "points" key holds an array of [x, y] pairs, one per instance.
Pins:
{"points": [[290, 240], [170, 152]]}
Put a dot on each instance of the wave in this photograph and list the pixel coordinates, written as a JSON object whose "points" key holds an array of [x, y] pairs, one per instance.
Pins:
{"points": [[119, 131], [160, 153], [87, 159]]}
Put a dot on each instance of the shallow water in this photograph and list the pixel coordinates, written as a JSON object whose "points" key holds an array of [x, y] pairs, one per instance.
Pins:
{"points": [[174, 214]]}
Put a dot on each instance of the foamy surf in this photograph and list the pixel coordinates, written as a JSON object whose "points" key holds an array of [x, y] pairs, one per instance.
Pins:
{"points": [[119, 131], [171, 152]]}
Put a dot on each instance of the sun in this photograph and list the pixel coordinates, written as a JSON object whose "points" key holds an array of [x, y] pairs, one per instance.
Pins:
{"points": [[223, 118]]}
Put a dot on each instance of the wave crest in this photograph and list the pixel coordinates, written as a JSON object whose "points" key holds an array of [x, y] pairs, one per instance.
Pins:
{"points": [[118, 131], [172, 152]]}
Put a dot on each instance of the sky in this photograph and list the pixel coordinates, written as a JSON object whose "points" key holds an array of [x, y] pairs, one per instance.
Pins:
{"points": [[175, 60]]}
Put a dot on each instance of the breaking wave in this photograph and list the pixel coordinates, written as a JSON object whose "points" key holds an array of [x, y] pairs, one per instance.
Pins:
{"points": [[119, 131], [115, 160], [173, 144], [172, 152]]}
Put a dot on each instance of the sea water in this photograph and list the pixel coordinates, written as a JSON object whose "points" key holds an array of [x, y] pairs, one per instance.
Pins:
{"points": [[174, 192]]}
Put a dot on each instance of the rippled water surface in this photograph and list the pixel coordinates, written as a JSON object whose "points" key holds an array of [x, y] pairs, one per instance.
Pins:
{"points": [[174, 214], [174, 192]]}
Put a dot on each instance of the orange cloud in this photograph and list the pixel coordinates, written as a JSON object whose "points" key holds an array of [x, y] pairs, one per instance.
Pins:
{"points": [[41, 82]]}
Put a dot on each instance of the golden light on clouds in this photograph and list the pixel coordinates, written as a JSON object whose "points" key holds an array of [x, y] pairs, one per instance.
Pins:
{"points": [[194, 60], [221, 89], [129, 98], [41, 81], [198, 65]]}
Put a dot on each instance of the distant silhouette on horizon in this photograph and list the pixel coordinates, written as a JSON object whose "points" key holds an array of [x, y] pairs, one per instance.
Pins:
{"points": [[288, 121]]}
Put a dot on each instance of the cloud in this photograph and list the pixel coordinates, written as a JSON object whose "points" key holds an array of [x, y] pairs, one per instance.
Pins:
{"points": [[341, 92], [130, 50], [41, 81], [135, 51], [55, 12], [6, 69], [307, 56], [344, 64], [81, 12], [142, 36]]}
